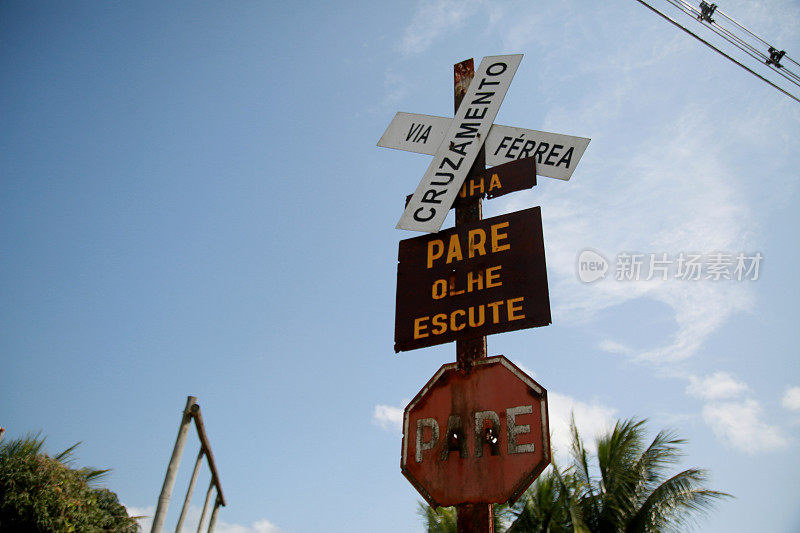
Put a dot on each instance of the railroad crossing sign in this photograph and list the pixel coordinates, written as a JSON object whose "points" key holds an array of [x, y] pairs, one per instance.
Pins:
{"points": [[455, 144], [463, 140], [476, 436]]}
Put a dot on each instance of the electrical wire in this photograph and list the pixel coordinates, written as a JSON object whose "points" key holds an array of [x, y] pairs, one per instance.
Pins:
{"points": [[738, 41], [687, 30]]}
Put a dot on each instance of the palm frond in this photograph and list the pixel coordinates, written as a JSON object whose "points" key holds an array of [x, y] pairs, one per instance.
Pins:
{"points": [[31, 444], [676, 502]]}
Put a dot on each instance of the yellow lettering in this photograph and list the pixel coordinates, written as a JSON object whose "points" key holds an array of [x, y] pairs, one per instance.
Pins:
{"points": [[453, 326], [453, 291], [493, 277], [475, 185], [495, 311], [474, 278], [432, 254], [476, 323], [494, 183], [454, 249], [513, 309], [497, 237], [439, 289], [419, 327], [477, 242], [439, 321]]}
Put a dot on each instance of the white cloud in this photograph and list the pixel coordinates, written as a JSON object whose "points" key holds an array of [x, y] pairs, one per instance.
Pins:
{"points": [[193, 517], [717, 386], [524, 368], [591, 419], [791, 398], [434, 19], [671, 195], [610, 346], [740, 424], [388, 417]]}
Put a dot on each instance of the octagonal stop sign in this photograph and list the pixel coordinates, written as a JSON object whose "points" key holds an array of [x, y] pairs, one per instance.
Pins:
{"points": [[476, 436]]}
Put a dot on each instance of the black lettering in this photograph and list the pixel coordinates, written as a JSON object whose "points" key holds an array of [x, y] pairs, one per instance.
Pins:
{"points": [[485, 99], [454, 166], [484, 82], [473, 113], [526, 150], [429, 197], [424, 137], [566, 157], [460, 148], [470, 130], [553, 153], [414, 129], [540, 151], [513, 147], [418, 218], [502, 66], [443, 183], [502, 144]]}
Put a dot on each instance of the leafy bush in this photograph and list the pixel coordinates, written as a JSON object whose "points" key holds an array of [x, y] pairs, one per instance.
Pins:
{"points": [[42, 493]]}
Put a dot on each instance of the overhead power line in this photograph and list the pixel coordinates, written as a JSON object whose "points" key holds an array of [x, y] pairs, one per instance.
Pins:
{"points": [[772, 57]]}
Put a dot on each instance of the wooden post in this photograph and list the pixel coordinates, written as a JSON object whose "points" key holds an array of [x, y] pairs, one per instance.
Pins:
{"points": [[172, 469], [205, 506], [471, 518], [213, 522], [189, 491]]}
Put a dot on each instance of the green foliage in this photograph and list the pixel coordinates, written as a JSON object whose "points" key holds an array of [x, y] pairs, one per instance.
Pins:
{"points": [[42, 493], [629, 490]]}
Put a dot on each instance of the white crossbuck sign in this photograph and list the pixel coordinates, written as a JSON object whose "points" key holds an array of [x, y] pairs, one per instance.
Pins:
{"points": [[455, 144]]}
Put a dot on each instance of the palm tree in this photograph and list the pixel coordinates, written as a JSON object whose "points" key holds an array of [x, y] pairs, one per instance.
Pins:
{"points": [[545, 506], [633, 493]]}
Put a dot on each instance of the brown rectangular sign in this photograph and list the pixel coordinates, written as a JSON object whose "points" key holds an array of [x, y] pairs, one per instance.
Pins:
{"points": [[513, 176], [481, 278]]}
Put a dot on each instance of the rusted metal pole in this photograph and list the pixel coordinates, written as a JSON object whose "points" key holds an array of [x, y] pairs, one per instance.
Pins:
{"points": [[470, 518], [205, 506], [213, 522], [2, 431], [172, 469], [189, 491]]}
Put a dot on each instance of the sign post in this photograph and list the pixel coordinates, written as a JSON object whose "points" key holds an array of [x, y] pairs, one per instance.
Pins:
{"points": [[477, 434]]}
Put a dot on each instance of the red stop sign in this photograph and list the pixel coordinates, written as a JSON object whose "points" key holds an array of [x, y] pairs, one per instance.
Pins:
{"points": [[477, 436]]}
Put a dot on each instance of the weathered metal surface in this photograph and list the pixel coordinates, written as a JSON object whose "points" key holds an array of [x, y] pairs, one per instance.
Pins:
{"points": [[476, 436], [513, 176], [464, 138], [556, 154], [476, 279]]}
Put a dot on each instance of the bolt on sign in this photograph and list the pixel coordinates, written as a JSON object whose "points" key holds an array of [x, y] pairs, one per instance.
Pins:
{"points": [[462, 141], [473, 280], [480, 436]]}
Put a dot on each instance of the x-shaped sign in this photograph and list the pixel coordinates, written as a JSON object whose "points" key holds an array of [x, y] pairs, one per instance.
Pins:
{"points": [[455, 143]]}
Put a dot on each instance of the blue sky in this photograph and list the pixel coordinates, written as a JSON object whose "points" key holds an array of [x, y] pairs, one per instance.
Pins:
{"points": [[192, 203]]}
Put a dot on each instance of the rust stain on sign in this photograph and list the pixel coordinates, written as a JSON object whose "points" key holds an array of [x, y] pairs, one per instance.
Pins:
{"points": [[476, 279]]}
